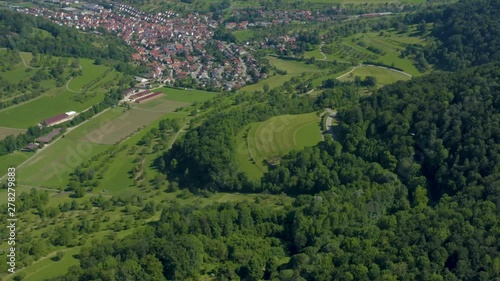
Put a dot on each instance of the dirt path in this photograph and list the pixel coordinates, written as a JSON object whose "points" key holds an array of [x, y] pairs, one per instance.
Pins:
{"points": [[176, 135], [67, 87], [321, 51], [27, 66]]}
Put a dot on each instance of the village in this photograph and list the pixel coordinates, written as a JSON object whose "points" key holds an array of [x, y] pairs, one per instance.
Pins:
{"points": [[173, 47]]}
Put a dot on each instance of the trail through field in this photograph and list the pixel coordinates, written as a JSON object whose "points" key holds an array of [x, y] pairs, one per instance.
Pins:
{"points": [[27, 66], [67, 87], [176, 135], [321, 51]]}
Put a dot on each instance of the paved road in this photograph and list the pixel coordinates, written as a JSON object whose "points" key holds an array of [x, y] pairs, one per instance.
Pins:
{"points": [[331, 114]]}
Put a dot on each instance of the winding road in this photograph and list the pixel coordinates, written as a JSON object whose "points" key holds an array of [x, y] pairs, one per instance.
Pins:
{"points": [[331, 114]]}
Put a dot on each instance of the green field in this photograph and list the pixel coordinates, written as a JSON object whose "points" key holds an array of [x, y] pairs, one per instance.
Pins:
{"points": [[188, 95], [4, 132], [52, 166], [293, 68], [274, 138], [90, 72], [12, 160], [384, 76], [37, 110]]}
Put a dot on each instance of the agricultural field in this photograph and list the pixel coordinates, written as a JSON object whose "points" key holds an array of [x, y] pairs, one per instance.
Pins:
{"points": [[293, 68], [4, 132], [12, 160], [91, 73], [59, 100], [359, 48], [384, 76], [189, 95], [269, 140], [34, 111], [51, 168]]}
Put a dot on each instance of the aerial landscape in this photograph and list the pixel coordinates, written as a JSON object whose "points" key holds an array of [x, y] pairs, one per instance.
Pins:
{"points": [[250, 140]]}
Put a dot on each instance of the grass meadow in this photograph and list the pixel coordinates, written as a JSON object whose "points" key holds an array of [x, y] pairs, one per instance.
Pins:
{"points": [[274, 138]]}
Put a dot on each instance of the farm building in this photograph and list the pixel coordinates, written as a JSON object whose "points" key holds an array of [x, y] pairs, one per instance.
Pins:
{"points": [[139, 95], [48, 137], [30, 147], [59, 118], [129, 92], [141, 79], [149, 97]]}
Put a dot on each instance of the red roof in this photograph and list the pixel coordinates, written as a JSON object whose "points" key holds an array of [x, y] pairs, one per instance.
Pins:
{"points": [[155, 94], [56, 119]]}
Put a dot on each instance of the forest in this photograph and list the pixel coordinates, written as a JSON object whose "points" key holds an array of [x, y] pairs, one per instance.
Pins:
{"points": [[29, 34], [409, 191]]}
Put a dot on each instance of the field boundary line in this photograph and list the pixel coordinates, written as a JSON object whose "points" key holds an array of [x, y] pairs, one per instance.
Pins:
{"points": [[25, 65]]}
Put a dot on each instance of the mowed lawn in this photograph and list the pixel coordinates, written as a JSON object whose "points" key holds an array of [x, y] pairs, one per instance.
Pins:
{"points": [[188, 95], [90, 72], [35, 111], [274, 138], [4, 132], [12, 160], [384, 76]]}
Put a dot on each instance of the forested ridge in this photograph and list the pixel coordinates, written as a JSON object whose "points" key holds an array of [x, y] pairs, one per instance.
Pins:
{"points": [[24, 33]]}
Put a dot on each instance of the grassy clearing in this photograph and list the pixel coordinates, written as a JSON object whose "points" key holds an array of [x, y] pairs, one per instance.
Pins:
{"points": [[90, 72], [384, 76], [243, 35], [188, 95], [293, 68], [307, 135], [274, 138], [4, 132], [129, 122], [52, 167], [37, 110], [12, 160]]}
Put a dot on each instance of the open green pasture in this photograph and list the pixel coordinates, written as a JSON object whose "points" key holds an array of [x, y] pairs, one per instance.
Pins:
{"points": [[274, 138]]}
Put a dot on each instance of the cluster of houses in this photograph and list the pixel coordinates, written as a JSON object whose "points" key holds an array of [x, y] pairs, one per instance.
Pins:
{"points": [[173, 47]]}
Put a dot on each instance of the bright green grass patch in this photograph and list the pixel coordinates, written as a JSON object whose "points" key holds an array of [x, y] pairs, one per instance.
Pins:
{"points": [[47, 268], [253, 169], [90, 72], [243, 35], [292, 66], [308, 135], [188, 95], [384, 76], [12, 160], [274, 138], [37, 110], [52, 167], [314, 54]]}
